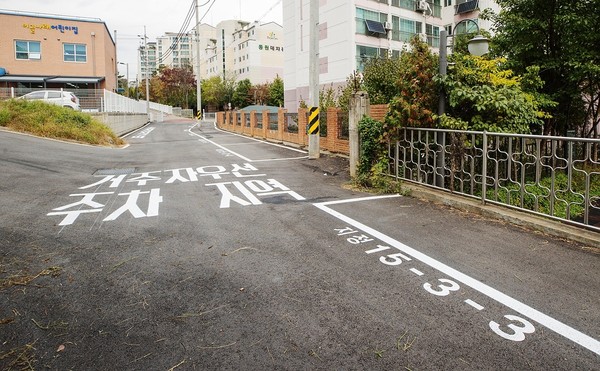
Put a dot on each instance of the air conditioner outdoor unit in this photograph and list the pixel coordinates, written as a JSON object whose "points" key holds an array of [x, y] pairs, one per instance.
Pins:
{"points": [[387, 25], [421, 5]]}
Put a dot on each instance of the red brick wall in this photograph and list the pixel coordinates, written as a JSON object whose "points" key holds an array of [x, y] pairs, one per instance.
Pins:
{"points": [[331, 143], [378, 111]]}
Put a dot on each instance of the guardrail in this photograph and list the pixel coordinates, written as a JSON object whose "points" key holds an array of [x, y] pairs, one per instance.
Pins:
{"points": [[557, 177]]}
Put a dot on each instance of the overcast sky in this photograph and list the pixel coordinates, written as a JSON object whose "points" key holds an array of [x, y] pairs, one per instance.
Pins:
{"points": [[129, 17]]}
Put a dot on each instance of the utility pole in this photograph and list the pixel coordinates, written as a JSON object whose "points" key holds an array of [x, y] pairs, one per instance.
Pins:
{"points": [[198, 85], [116, 65], [313, 82], [147, 82]]}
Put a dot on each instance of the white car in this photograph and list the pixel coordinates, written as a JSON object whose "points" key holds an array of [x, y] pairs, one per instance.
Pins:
{"points": [[58, 97]]}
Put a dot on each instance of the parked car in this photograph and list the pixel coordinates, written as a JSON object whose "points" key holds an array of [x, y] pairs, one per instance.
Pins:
{"points": [[58, 97]]}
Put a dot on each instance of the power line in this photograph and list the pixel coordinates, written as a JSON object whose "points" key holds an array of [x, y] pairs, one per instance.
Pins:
{"points": [[182, 31], [180, 34]]}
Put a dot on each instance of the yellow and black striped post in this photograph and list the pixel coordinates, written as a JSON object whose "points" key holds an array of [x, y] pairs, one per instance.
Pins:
{"points": [[199, 115], [313, 120]]}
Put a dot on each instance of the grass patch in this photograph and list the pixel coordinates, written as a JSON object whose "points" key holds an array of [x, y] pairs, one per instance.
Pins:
{"points": [[20, 358], [52, 121], [25, 279]]}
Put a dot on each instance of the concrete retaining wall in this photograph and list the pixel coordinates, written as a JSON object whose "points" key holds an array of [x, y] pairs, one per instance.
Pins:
{"points": [[122, 123]]}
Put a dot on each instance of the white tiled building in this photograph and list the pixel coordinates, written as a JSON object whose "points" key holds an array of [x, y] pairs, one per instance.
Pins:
{"points": [[245, 50], [237, 48], [175, 50], [351, 31], [146, 61], [258, 52]]}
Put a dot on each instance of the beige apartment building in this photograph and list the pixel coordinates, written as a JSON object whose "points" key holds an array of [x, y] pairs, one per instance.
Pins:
{"points": [[55, 51]]}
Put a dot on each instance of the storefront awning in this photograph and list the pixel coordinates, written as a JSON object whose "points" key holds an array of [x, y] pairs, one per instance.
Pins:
{"points": [[52, 79], [16, 78], [76, 80]]}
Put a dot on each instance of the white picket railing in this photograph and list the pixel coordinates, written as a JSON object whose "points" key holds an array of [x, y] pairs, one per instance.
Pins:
{"points": [[92, 100], [114, 102]]}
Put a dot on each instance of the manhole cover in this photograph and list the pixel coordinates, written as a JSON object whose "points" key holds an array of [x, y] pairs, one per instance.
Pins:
{"points": [[128, 170]]}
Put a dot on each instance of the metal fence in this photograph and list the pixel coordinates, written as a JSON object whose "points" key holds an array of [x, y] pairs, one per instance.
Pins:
{"points": [[99, 100], [343, 124], [558, 177], [273, 120], [291, 122]]}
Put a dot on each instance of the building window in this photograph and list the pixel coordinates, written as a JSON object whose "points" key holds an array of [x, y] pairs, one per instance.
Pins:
{"points": [[405, 4], [75, 53], [433, 35], [466, 27], [27, 49], [366, 18], [408, 28], [364, 53]]}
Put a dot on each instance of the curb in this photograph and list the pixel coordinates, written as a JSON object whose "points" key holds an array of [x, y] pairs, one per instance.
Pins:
{"points": [[547, 226]]}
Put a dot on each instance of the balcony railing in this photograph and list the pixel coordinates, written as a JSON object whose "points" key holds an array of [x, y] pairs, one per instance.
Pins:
{"points": [[467, 6]]}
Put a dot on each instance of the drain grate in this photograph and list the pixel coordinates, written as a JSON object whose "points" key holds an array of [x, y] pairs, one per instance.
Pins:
{"points": [[128, 170]]}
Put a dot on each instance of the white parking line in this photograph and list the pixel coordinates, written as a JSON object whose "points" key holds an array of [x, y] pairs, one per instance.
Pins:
{"points": [[218, 145], [560, 328], [474, 304], [245, 158]]}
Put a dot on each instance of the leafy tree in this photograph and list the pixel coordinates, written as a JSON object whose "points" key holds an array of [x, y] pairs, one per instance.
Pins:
{"points": [[260, 93], [327, 98], [212, 92], [241, 95], [560, 38], [379, 79], [417, 93], [484, 95], [354, 83], [228, 88], [276, 92], [178, 86]]}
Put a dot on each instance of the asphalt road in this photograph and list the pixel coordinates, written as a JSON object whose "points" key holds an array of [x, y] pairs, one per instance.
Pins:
{"points": [[194, 248]]}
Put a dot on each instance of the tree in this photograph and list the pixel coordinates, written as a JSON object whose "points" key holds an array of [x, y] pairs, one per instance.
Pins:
{"points": [[260, 93], [484, 95], [229, 85], [179, 86], [560, 38], [241, 95], [276, 92], [212, 92], [379, 79], [417, 93]]}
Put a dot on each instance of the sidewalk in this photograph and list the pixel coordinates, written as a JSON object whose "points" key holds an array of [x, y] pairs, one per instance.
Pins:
{"points": [[590, 239]]}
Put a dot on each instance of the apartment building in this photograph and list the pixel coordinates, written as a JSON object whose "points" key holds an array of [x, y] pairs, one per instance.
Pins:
{"points": [[258, 52], [233, 48], [175, 50], [351, 32], [55, 51], [147, 62]]}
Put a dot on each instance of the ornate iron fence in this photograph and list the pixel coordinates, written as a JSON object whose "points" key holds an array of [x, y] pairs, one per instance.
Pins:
{"points": [[291, 122], [558, 177]]}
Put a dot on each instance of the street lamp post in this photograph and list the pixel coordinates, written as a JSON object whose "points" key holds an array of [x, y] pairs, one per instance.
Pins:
{"points": [[198, 64], [147, 82], [478, 46], [127, 85]]}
